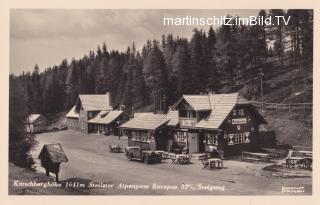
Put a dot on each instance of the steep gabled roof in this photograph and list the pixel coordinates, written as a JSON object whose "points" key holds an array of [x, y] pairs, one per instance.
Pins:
{"points": [[173, 117], [221, 105], [105, 117], [94, 102], [54, 152], [197, 102], [34, 117], [145, 121], [72, 113]]}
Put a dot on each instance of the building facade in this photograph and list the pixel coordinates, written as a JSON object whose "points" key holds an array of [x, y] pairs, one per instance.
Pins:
{"points": [[226, 122], [36, 123], [147, 131], [94, 114]]}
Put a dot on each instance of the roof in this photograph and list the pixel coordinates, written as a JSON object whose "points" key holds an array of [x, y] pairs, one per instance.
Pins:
{"points": [[221, 106], [33, 117], [146, 121], [173, 117], [105, 117], [55, 153], [197, 102], [95, 102], [73, 113]]}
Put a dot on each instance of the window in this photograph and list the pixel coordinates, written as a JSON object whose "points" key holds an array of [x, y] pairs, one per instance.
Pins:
{"points": [[191, 114], [238, 138], [236, 112], [183, 113], [187, 113], [140, 136], [212, 138], [180, 136]]}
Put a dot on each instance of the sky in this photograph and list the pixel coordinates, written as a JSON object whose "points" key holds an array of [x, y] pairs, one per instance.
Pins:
{"points": [[46, 37]]}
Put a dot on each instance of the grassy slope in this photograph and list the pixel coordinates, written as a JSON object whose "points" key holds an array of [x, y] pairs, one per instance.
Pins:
{"points": [[295, 86]]}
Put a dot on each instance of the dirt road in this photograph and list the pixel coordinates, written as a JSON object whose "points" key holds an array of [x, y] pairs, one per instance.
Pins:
{"points": [[90, 160]]}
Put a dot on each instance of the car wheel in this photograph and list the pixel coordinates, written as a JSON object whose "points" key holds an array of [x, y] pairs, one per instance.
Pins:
{"points": [[129, 157]]}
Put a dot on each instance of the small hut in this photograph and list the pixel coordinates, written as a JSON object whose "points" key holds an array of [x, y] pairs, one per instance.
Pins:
{"points": [[51, 156], [36, 123]]}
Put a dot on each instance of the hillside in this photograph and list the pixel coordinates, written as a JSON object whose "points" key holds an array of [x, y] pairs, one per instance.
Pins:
{"points": [[294, 86], [293, 128]]}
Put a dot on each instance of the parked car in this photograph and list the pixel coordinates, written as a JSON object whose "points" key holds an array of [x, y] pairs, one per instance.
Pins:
{"points": [[145, 156]]}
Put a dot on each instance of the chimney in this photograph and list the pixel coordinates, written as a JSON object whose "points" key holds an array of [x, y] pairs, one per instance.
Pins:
{"points": [[108, 96]]}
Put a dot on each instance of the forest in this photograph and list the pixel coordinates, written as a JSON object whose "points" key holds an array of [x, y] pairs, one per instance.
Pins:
{"points": [[219, 60]]}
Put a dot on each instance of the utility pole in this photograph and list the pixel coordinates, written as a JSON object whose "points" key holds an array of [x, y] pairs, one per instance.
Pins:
{"points": [[164, 103], [261, 87], [160, 104], [154, 103]]}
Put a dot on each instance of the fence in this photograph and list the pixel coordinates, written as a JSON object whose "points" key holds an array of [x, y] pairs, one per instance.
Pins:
{"points": [[282, 106]]}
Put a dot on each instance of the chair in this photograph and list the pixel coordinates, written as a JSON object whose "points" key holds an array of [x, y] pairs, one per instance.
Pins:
{"points": [[173, 159], [205, 162], [110, 148]]}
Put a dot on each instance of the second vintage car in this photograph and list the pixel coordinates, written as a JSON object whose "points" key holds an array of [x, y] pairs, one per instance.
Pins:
{"points": [[146, 156]]}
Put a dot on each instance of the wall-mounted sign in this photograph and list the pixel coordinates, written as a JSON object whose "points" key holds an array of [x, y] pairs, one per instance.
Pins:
{"points": [[239, 121], [187, 122]]}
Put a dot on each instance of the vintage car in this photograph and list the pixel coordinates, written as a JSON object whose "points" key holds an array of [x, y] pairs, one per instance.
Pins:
{"points": [[145, 156]]}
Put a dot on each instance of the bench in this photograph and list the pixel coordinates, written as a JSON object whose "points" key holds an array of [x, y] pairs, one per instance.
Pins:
{"points": [[255, 157]]}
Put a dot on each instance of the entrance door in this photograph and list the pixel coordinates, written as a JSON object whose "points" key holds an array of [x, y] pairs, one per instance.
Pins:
{"points": [[202, 142], [193, 141]]}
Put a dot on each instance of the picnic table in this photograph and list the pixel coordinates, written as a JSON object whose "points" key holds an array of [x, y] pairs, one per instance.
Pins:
{"points": [[180, 158], [211, 163], [255, 157], [291, 162], [116, 148], [215, 163], [165, 155]]}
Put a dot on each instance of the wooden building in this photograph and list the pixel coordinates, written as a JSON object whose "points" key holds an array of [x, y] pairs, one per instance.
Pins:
{"points": [[147, 130], [73, 119], [36, 123], [107, 122], [226, 121], [94, 114]]}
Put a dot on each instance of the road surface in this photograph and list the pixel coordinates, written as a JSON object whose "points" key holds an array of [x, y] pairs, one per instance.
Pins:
{"points": [[90, 160]]}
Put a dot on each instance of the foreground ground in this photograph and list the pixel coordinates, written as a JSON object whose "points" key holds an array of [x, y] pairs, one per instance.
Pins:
{"points": [[91, 161]]}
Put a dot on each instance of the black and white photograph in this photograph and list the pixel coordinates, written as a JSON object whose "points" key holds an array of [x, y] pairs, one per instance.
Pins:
{"points": [[161, 102]]}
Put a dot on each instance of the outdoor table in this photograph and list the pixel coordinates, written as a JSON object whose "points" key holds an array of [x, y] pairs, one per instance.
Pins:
{"points": [[215, 163], [183, 158], [292, 161], [306, 162], [116, 148], [180, 158], [165, 155]]}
